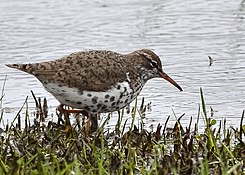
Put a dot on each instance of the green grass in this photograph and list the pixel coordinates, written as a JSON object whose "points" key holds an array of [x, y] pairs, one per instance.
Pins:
{"points": [[45, 147]]}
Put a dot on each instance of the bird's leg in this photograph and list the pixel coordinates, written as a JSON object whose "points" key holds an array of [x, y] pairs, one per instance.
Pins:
{"points": [[91, 125], [61, 109], [94, 122], [65, 113]]}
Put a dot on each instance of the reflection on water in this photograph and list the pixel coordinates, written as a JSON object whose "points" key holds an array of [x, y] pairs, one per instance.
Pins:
{"points": [[183, 33]]}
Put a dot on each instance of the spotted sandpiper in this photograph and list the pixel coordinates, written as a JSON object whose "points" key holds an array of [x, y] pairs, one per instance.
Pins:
{"points": [[97, 81]]}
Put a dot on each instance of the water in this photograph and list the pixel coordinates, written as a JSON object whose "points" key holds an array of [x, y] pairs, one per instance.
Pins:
{"points": [[182, 33]]}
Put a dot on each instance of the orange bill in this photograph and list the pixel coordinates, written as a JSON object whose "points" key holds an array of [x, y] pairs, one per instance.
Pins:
{"points": [[170, 80]]}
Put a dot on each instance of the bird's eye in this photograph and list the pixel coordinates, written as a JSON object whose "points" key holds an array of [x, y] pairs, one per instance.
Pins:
{"points": [[154, 63]]}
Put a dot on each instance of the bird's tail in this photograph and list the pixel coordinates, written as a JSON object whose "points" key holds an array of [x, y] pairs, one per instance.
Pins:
{"points": [[23, 67]]}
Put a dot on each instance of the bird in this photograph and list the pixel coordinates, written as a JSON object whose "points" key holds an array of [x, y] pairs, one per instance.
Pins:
{"points": [[97, 81]]}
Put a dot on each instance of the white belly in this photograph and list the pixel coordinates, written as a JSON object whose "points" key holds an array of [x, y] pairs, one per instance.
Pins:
{"points": [[94, 102]]}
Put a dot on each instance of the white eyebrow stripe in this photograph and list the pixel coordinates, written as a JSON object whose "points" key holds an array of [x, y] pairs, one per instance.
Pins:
{"points": [[153, 63]]}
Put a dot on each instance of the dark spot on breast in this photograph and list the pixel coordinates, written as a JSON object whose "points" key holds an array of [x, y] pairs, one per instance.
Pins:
{"points": [[94, 100], [80, 92], [79, 102], [99, 105], [60, 85], [112, 99], [106, 101], [63, 91], [118, 87], [86, 108], [118, 102], [104, 107], [117, 108], [132, 96], [113, 104], [89, 95], [126, 101], [121, 95], [94, 111], [107, 96], [67, 100], [125, 89]]}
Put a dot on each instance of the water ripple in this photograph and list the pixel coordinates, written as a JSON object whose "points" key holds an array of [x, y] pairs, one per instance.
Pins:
{"points": [[183, 33]]}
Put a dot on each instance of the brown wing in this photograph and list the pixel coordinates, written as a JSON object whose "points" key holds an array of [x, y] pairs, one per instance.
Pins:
{"points": [[92, 70]]}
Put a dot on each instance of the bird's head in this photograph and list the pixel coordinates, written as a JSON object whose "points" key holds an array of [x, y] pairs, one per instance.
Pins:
{"points": [[152, 63]]}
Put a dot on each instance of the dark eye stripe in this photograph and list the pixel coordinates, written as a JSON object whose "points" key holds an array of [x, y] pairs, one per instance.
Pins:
{"points": [[153, 63]]}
